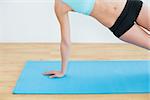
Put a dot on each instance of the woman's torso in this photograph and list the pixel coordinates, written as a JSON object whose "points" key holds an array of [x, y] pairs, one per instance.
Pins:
{"points": [[106, 11]]}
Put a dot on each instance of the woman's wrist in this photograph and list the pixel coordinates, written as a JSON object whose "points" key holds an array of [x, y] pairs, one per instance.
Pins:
{"points": [[63, 72]]}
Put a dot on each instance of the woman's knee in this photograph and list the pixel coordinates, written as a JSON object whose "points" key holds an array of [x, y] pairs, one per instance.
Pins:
{"points": [[144, 18], [148, 44]]}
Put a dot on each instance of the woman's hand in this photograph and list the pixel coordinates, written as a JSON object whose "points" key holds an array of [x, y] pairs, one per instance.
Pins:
{"points": [[55, 74]]}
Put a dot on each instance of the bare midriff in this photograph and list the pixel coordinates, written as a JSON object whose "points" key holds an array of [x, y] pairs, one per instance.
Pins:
{"points": [[107, 11]]}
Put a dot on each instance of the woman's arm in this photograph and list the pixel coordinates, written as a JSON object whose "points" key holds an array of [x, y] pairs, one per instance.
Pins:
{"points": [[61, 11]]}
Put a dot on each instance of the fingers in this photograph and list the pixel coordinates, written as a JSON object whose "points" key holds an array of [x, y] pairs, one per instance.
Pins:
{"points": [[45, 73], [57, 75], [49, 73], [52, 72], [53, 76]]}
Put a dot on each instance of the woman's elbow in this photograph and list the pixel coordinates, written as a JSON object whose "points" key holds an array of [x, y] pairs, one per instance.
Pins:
{"points": [[66, 44]]}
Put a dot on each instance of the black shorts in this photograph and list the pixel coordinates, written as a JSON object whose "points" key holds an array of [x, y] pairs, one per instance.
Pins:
{"points": [[127, 18]]}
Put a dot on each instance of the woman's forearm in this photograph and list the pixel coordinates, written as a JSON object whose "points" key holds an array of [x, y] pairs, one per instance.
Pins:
{"points": [[65, 49], [61, 11]]}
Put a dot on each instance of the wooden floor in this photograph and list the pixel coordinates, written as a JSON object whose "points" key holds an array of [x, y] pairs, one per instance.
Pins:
{"points": [[13, 57]]}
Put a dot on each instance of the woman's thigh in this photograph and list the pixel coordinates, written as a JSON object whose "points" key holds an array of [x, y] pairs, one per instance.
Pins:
{"points": [[137, 36], [144, 16]]}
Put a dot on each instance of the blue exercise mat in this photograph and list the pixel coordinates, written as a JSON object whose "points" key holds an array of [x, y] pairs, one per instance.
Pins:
{"points": [[86, 77]]}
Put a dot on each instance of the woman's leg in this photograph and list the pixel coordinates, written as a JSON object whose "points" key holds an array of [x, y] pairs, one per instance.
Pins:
{"points": [[144, 16], [137, 36]]}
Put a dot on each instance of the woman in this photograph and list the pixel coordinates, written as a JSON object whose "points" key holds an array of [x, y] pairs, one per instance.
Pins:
{"points": [[125, 18]]}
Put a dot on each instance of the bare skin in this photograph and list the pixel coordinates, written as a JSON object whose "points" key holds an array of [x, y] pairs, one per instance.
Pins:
{"points": [[102, 11], [136, 35]]}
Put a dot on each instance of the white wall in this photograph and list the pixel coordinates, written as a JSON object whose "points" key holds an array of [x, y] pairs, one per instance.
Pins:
{"points": [[35, 21]]}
